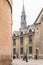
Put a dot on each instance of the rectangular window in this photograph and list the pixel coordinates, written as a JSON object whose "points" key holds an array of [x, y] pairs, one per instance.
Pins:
{"points": [[21, 50], [14, 51], [21, 40], [30, 38], [30, 50], [14, 41]]}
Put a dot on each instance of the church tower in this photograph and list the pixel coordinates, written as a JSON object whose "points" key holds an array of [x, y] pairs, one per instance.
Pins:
{"points": [[23, 18]]}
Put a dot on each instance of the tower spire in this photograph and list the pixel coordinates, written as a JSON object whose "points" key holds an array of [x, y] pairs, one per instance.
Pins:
{"points": [[23, 4], [23, 17]]}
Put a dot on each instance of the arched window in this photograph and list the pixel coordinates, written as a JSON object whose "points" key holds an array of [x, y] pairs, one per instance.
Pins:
{"points": [[14, 35], [30, 30], [21, 33]]}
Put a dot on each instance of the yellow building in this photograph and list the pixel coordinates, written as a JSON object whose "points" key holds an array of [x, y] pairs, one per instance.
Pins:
{"points": [[29, 38], [5, 31]]}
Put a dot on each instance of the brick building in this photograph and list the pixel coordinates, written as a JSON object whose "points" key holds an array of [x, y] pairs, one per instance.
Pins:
{"points": [[5, 30]]}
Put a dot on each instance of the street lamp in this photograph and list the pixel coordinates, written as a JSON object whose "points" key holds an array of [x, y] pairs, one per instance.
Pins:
{"points": [[26, 49]]}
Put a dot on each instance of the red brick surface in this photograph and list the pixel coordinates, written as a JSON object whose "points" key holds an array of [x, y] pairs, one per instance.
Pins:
{"points": [[5, 28]]}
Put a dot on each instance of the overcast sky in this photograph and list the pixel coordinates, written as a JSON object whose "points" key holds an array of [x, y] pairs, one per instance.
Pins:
{"points": [[32, 9]]}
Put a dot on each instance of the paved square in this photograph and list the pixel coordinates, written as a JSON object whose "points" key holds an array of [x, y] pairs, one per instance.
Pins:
{"points": [[30, 62]]}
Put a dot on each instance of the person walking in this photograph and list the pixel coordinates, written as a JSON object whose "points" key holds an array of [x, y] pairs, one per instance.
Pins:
{"points": [[25, 57]]}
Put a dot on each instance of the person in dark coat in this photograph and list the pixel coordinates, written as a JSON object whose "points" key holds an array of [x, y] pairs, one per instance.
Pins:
{"points": [[25, 57]]}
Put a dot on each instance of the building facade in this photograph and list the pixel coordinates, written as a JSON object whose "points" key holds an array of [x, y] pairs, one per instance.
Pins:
{"points": [[5, 30], [29, 38]]}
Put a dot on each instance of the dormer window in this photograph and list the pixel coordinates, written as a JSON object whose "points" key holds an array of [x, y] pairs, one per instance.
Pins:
{"points": [[21, 33], [14, 35], [30, 30]]}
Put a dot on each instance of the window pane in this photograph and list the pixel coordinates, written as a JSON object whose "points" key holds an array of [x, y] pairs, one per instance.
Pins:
{"points": [[14, 51], [30, 38], [14, 41], [21, 39], [30, 50], [21, 50]]}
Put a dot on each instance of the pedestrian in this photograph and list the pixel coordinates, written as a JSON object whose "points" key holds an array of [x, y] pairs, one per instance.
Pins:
{"points": [[25, 57]]}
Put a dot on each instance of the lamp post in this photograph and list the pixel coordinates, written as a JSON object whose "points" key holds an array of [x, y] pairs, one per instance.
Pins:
{"points": [[26, 53], [37, 53], [26, 49]]}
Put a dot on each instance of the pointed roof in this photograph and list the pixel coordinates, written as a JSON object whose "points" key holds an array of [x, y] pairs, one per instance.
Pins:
{"points": [[23, 4], [23, 10]]}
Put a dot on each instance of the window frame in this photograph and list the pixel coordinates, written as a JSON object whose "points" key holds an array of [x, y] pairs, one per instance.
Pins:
{"points": [[14, 42], [30, 49], [21, 40], [14, 51], [21, 50], [30, 38]]}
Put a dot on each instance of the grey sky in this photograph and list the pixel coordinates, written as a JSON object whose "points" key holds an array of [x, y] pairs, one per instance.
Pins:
{"points": [[32, 9]]}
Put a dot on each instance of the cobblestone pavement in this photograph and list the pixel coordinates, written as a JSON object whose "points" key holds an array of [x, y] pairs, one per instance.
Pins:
{"points": [[30, 62]]}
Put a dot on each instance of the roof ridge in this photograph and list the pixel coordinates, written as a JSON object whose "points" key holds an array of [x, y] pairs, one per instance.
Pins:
{"points": [[38, 16]]}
